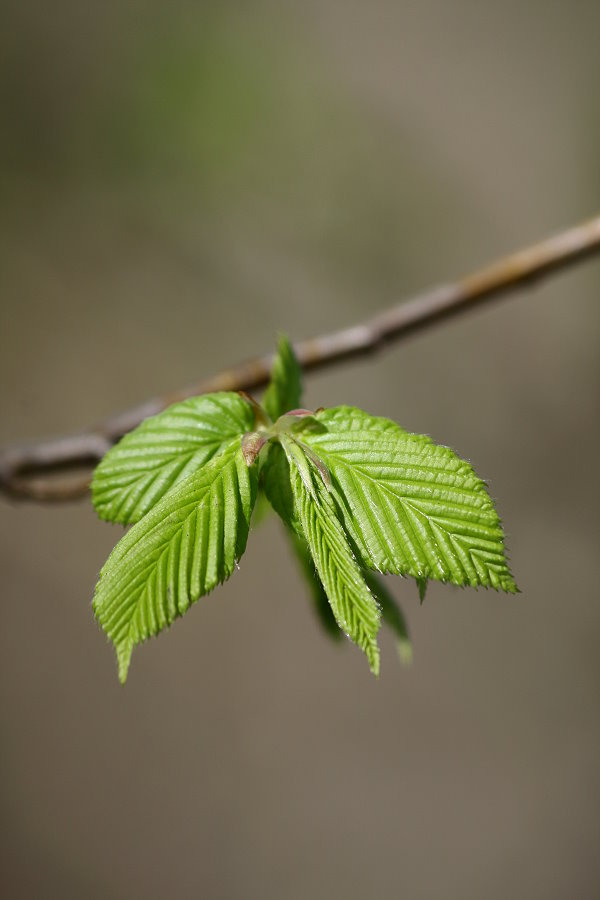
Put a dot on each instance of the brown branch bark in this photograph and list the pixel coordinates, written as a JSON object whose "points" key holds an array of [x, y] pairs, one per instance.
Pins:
{"points": [[60, 469]]}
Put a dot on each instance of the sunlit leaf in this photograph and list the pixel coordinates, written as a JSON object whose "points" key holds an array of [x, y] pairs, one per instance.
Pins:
{"points": [[285, 389], [164, 450], [409, 506], [189, 543]]}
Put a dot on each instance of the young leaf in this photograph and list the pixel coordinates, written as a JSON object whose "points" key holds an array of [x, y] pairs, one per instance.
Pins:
{"points": [[410, 507], [278, 488], [164, 450], [285, 389], [262, 509], [321, 603], [392, 615], [354, 608], [186, 545], [278, 491]]}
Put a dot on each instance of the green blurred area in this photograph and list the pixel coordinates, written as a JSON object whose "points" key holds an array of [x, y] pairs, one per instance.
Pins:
{"points": [[178, 183]]}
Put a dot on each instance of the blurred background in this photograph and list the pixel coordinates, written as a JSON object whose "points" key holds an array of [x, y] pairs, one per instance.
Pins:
{"points": [[180, 181]]}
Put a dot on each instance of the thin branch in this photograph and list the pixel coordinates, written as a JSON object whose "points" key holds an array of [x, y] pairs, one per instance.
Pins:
{"points": [[59, 469]]}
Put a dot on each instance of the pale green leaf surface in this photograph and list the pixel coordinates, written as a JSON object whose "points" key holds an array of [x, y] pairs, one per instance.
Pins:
{"points": [[164, 450], [410, 507], [299, 461], [285, 388], [186, 545], [353, 606]]}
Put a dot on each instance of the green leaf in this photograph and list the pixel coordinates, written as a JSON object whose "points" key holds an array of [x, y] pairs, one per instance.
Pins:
{"points": [[278, 488], [392, 615], [409, 506], [164, 450], [317, 591], [285, 389], [355, 610], [262, 509], [186, 545]]}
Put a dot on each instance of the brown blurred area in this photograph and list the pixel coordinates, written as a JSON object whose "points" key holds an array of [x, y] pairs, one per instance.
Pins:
{"points": [[178, 183]]}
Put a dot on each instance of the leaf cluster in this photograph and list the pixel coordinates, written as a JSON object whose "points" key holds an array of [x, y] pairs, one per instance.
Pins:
{"points": [[358, 495]]}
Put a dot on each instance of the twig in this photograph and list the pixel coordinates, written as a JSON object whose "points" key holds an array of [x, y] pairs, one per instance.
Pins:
{"points": [[59, 469]]}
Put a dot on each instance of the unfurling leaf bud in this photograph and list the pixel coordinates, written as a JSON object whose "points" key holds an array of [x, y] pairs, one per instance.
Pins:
{"points": [[252, 444]]}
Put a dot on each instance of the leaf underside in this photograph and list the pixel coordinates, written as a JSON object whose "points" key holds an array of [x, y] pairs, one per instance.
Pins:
{"points": [[163, 451], [409, 506], [278, 489], [321, 603], [189, 543], [354, 608], [391, 614]]}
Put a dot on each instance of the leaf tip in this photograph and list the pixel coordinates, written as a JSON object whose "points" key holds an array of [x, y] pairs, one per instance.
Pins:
{"points": [[405, 651], [124, 652], [373, 658]]}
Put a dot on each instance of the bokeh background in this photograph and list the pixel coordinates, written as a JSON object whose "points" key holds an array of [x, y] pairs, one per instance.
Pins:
{"points": [[179, 181]]}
